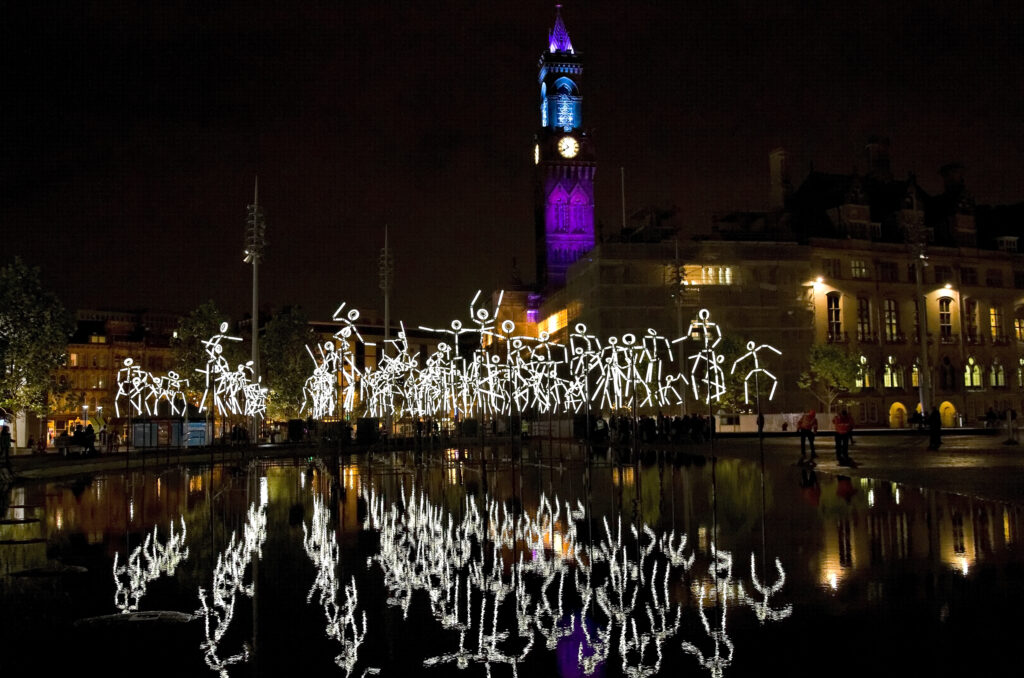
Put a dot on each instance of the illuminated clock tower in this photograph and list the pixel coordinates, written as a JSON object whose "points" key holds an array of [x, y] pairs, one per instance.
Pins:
{"points": [[565, 165]]}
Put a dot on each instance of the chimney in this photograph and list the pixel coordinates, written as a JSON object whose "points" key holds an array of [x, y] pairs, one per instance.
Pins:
{"points": [[778, 167], [877, 153]]}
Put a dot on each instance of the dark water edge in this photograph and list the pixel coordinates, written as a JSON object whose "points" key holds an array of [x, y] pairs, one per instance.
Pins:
{"points": [[879, 577]]}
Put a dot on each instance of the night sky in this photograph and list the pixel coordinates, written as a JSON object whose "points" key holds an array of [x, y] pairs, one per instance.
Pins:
{"points": [[131, 132]]}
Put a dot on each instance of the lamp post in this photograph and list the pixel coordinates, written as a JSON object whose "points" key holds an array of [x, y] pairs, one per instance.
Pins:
{"points": [[255, 242], [916, 236]]}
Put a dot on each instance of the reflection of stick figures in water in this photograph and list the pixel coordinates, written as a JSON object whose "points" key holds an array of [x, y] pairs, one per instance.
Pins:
{"points": [[752, 351]]}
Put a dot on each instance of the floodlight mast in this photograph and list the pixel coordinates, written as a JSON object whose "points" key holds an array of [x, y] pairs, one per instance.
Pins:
{"points": [[386, 272], [255, 242]]}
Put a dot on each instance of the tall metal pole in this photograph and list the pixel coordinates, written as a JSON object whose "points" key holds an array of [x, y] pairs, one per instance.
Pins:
{"points": [[916, 239], [387, 269], [677, 295], [255, 241]]}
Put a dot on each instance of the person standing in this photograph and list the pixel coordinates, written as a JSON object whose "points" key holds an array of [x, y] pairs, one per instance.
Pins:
{"points": [[807, 426], [843, 425], [5, 445], [934, 430]]}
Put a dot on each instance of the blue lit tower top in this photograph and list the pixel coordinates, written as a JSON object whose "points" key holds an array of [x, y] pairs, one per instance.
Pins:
{"points": [[560, 72], [564, 156]]}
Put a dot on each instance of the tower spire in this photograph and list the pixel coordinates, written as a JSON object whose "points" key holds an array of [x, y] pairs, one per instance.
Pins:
{"points": [[558, 37]]}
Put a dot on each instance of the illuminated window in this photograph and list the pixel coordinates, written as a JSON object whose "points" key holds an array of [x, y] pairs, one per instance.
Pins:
{"points": [[72, 360], [892, 375], [864, 377], [995, 321], [915, 375], [1018, 328], [859, 268], [555, 322], [834, 316], [997, 375], [945, 317], [708, 275], [1020, 373], [892, 320], [972, 373]]}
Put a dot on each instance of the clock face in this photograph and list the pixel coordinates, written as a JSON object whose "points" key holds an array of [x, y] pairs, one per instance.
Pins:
{"points": [[536, 154], [568, 147]]}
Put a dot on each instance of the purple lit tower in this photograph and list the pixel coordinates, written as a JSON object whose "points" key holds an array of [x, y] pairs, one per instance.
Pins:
{"points": [[564, 157]]}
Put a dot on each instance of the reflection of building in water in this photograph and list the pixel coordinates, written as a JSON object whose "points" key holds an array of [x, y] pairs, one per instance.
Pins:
{"points": [[886, 523]]}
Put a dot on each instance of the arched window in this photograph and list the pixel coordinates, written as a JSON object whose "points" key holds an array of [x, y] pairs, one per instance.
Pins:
{"points": [[972, 373], [865, 379], [834, 317], [892, 375], [997, 375]]}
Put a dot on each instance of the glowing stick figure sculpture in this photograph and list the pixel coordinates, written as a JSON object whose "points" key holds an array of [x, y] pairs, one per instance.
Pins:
{"points": [[349, 371], [752, 351], [217, 370], [320, 390], [707, 359]]}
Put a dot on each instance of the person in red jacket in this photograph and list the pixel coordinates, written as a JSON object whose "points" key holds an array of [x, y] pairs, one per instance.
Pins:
{"points": [[807, 426], [843, 424]]}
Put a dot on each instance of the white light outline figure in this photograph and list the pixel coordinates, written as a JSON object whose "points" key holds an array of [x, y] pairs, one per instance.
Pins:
{"points": [[144, 390], [752, 350], [463, 379], [714, 376]]}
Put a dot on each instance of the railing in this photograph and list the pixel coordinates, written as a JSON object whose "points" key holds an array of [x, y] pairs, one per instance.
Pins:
{"points": [[974, 339], [898, 338], [867, 337], [1000, 340], [947, 340]]}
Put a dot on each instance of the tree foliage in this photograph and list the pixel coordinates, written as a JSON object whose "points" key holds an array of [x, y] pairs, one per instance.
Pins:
{"points": [[832, 372], [284, 361], [34, 333]]}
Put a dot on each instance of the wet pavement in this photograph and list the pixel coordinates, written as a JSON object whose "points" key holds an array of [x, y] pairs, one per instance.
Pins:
{"points": [[494, 563]]}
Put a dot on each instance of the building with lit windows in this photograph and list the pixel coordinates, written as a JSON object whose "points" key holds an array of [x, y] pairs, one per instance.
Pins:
{"points": [[86, 386]]}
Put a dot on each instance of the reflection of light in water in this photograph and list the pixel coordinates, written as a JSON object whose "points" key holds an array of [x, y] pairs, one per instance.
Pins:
{"points": [[871, 497], [146, 563], [131, 509], [896, 495], [59, 519], [1006, 526], [157, 488], [536, 563], [264, 491], [963, 566], [302, 481], [343, 625], [195, 483], [228, 583], [833, 580], [763, 609]]}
